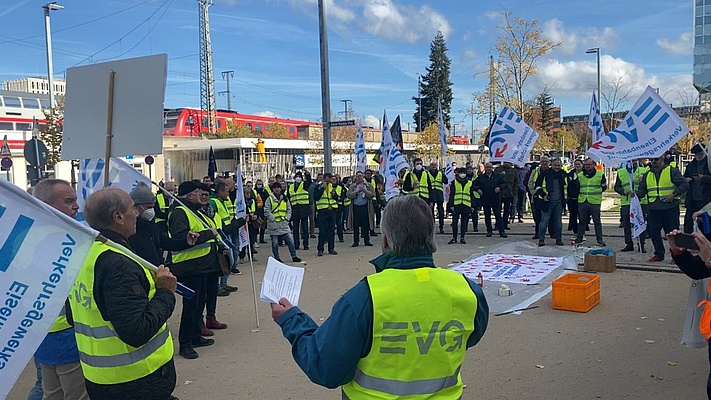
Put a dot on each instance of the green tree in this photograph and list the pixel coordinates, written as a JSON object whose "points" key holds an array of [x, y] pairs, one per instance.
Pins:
{"points": [[51, 132], [427, 144], [434, 85], [544, 102], [276, 130], [519, 47], [235, 130]]}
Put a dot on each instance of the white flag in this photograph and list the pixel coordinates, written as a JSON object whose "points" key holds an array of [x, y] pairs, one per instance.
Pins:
{"points": [[511, 139], [396, 162], [442, 134], [595, 120], [91, 179], [386, 145], [41, 254], [639, 225], [241, 209], [449, 173], [650, 128], [360, 148]]}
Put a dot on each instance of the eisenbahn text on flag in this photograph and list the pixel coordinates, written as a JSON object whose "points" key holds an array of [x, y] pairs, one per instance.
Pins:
{"points": [[650, 128], [511, 139], [41, 253]]}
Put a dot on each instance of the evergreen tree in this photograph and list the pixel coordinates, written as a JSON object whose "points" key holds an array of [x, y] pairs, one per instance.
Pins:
{"points": [[434, 85], [545, 103], [51, 132]]}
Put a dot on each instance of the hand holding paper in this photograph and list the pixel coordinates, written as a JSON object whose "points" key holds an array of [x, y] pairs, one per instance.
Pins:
{"points": [[281, 280]]}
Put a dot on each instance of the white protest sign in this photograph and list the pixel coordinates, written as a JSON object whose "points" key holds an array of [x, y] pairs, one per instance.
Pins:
{"points": [[650, 128], [511, 139], [41, 254], [139, 92]]}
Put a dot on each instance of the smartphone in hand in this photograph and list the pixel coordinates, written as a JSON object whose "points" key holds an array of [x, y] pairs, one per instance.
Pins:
{"points": [[686, 241]]}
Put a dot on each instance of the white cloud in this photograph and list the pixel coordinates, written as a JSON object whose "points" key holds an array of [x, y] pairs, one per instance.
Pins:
{"points": [[403, 23], [468, 55], [371, 120], [556, 31], [270, 114], [492, 15], [680, 46]]}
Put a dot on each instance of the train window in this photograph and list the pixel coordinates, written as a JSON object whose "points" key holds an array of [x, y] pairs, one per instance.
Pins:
{"points": [[45, 104], [258, 127], [12, 102], [219, 123], [6, 126], [292, 129], [21, 126], [0, 101], [249, 125], [30, 103], [204, 122]]}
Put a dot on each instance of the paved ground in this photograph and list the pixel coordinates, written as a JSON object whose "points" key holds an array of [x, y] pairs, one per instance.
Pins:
{"points": [[628, 347]]}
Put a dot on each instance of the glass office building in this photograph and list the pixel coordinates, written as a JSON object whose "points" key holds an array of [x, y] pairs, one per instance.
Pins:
{"points": [[702, 52]]}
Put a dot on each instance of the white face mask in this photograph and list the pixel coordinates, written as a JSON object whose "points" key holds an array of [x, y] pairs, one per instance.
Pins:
{"points": [[148, 214], [297, 179], [418, 167], [462, 176]]}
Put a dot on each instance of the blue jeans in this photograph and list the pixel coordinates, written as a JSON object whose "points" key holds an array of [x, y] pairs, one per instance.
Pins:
{"points": [[289, 243], [36, 391], [554, 217]]}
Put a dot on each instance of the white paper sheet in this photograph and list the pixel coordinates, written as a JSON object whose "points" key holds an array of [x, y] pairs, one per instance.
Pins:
{"points": [[281, 280]]}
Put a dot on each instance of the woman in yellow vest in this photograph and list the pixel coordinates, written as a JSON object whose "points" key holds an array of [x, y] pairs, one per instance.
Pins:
{"points": [[372, 345], [120, 311], [277, 210]]}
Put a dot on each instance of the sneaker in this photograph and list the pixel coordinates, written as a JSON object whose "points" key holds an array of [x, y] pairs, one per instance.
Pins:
{"points": [[579, 241], [627, 248], [503, 235], [295, 259], [369, 244], [236, 271], [222, 292], [601, 244], [188, 352], [373, 233], [462, 241], [354, 245], [489, 234], [656, 259], [453, 241], [333, 253], [559, 242], [541, 243], [340, 240], [231, 289], [319, 254], [203, 342], [306, 247], [441, 231], [241, 261], [534, 237], [279, 259], [256, 245]]}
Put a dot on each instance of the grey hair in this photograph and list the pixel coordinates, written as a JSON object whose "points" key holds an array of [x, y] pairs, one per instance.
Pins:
{"points": [[545, 158], [409, 227], [556, 159], [45, 189], [101, 206]]}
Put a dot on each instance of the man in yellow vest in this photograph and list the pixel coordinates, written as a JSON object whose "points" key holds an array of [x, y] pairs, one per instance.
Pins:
{"points": [[277, 211], [437, 194], [298, 195], [622, 187], [592, 185], [162, 206], [423, 179], [120, 310], [225, 210], [461, 200], [389, 320], [663, 185], [327, 198], [196, 268], [57, 355]]}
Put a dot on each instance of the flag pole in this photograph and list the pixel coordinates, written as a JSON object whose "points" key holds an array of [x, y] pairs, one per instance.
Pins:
{"points": [[254, 286], [109, 127]]}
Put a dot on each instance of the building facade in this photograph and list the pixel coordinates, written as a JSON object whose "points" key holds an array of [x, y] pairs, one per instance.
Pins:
{"points": [[702, 52], [36, 84]]}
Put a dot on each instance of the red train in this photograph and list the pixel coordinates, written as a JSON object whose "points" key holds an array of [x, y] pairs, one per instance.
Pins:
{"points": [[193, 122]]}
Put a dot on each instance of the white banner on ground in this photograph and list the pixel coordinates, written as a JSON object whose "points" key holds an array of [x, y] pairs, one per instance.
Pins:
{"points": [[511, 139], [91, 179], [650, 128], [360, 148], [509, 268], [595, 120], [41, 254], [241, 209]]}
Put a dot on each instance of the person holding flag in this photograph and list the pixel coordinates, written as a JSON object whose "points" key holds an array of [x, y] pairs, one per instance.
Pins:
{"points": [[629, 177], [121, 321]]}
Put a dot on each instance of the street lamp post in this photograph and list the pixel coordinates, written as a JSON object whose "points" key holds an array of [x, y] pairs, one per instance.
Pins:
{"points": [[53, 6], [596, 50]]}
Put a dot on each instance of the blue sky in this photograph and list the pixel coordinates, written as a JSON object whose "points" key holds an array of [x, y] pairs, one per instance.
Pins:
{"points": [[377, 48]]}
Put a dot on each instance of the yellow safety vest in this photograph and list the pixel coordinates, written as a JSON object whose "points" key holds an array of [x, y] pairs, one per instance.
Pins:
{"points": [[624, 175], [298, 195], [437, 181], [415, 355], [162, 205], [339, 192], [326, 200], [105, 358], [371, 181], [251, 206], [662, 188], [199, 250], [222, 210], [462, 193], [278, 208], [231, 207], [423, 189], [590, 188], [61, 323]]}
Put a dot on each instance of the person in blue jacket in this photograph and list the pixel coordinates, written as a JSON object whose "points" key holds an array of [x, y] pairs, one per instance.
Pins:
{"points": [[410, 322]]}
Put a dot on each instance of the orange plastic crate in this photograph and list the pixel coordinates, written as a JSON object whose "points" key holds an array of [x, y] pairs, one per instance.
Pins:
{"points": [[576, 292]]}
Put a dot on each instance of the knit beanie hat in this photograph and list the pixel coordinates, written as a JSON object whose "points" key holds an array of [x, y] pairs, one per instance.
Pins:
{"points": [[141, 194]]}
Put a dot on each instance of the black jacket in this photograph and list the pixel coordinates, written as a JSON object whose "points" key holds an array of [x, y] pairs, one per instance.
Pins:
{"points": [[699, 191], [121, 295], [149, 241], [179, 227], [487, 184], [691, 265], [573, 185]]}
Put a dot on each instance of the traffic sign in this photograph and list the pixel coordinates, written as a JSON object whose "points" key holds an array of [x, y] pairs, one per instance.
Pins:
{"points": [[5, 150], [348, 122], [149, 160], [6, 163], [31, 154]]}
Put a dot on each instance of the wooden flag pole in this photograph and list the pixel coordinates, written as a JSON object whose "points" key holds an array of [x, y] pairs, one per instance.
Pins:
{"points": [[109, 128]]}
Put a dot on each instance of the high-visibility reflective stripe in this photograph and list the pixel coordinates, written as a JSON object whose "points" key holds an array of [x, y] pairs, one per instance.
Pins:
{"points": [[196, 247], [297, 194], [121, 360], [99, 332], [399, 388], [344, 396], [437, 181]]}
